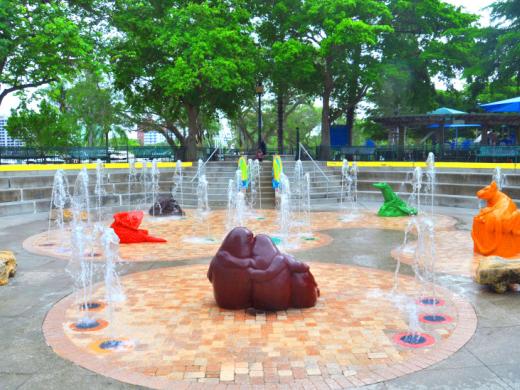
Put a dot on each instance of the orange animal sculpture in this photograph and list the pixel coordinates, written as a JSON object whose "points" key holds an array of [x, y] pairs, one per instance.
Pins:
{"points": [[126, 226], [496, 228]]}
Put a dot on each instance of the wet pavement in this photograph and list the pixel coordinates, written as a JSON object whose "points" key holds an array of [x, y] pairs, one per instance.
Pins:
{"points": [[488, 361]]}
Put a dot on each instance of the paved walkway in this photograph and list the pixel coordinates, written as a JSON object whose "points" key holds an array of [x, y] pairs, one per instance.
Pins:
{"points": [[488, 361]]}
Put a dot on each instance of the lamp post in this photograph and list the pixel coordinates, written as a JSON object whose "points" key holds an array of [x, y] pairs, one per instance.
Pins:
{"points": [[297, 143], [259, 91]]}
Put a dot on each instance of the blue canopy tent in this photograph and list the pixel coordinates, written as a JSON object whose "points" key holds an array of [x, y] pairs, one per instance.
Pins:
{"points": [[437, 121], [509, 105], [455, 126], [449, 112], [446, 111]]}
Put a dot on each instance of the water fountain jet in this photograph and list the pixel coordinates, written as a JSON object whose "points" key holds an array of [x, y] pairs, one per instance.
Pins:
{"points": [[60, 199]]}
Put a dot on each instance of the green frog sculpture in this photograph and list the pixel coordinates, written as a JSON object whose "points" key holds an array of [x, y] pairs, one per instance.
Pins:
{"points": [[393, 206]]}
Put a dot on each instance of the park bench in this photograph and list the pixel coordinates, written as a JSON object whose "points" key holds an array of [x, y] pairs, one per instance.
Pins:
{"points": [[498, 152]]}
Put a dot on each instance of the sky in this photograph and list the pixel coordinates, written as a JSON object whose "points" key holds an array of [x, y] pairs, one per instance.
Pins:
{"points": [[473, 6], [476, 7]]}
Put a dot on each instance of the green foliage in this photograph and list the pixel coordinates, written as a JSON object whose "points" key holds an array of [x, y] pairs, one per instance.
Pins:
{"points": [[366, 129], [507, 14], [181, 65], [40, 42], [181, 61], [45, 128], [305, 116], [346, 36], [96, 110], [431, 39], [84, 114], [495, 70]]}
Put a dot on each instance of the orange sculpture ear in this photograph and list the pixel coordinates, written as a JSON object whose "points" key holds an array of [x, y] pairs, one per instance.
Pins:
{"points": [[493, 185]]}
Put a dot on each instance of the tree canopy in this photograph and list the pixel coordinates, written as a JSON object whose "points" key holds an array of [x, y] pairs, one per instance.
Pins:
{"points": [[177, 64], [40, 42], [180, 66]]}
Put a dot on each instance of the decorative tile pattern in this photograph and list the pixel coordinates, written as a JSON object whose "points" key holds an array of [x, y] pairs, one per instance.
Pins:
{"points": [[180, 338], [183, 234]]}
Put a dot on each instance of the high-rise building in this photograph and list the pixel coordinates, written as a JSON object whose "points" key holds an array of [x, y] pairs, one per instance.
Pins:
{"points": [[153, 138], [5, 140]]}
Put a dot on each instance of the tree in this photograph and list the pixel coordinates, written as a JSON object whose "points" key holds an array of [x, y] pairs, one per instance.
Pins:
{"points": [[179, 61], [40, 42], [45, 128], [344, 34], [495, 71], [96, 109], [84, 113], [506, 14], [288, 61], [430, 39], [302, 115]]}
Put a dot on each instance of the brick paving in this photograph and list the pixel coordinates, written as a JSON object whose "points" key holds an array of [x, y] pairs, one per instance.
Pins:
{"points": [[178, 232], [453, 253], [175, 336]]}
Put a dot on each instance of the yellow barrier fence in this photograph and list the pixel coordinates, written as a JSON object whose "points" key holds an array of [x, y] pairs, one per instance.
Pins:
{"points": [[54, 167], [409, 164]]}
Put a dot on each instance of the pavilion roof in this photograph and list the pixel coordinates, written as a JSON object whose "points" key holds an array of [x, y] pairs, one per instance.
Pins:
{"points": [[446, 111], [484, 119]]}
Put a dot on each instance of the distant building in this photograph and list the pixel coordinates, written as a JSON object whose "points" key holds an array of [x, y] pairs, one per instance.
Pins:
{"points": [[153, 138], [140, 137], [5, 140]]}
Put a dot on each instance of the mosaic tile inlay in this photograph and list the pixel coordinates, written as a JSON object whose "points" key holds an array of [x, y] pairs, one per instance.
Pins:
{"points": [[174, 336], [185, 235]]}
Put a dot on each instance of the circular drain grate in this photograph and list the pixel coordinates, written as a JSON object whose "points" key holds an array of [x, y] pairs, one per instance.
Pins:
{"points": [[111, 344], [435, 319], [89, 326], [431, 301], [92, 306], [413, 340]]}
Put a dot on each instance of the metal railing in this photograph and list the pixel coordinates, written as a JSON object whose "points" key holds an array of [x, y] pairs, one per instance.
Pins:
{"points": [[472, 153], [316, 166], [203, 165]]}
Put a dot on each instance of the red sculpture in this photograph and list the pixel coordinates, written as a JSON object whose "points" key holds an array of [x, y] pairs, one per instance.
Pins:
{"points": [[496, 228], [252, 272], [126, 226]]}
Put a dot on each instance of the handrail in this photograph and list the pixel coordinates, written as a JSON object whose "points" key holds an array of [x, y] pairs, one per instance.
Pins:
{"points": [[317, 166], [203, 165]]}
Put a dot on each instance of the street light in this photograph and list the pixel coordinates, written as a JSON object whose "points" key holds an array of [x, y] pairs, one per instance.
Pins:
{"points": [[259, 91], [297, 143]]}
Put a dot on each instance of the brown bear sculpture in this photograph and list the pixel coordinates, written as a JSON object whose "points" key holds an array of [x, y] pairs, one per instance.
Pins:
{"points": [[166, 206], [250, 271]]}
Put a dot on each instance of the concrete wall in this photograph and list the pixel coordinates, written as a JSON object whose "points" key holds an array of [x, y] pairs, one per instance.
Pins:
{"points": [[30, 192]]}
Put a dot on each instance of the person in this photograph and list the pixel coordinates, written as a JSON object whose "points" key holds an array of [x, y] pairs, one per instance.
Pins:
{"points": [[259, 155], [263, 146]]}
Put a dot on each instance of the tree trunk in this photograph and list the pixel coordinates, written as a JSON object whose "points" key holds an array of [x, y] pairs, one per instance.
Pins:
{"points": [[351, 116], [325, 115], [280, 113], [354, 95], [90, 137], [193, 133]]}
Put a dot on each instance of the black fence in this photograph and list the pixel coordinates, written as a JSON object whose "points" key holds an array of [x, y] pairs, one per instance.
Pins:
{"points": [[87, 154], [13, 155], [474, 153]]}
